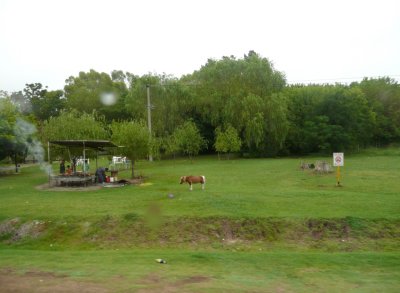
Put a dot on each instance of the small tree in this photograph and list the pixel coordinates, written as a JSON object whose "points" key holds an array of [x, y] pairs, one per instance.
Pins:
{"points": [[16, 134], [227, 141], [8, 117], [73, 125], [188, 139], [134, 137], [171, 145]]}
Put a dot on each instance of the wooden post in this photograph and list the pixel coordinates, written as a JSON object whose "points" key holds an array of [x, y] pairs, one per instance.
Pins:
{"points": [[338, 176]]}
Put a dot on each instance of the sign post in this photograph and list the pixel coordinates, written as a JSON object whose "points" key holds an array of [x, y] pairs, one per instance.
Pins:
{"points": [[338, 161]]}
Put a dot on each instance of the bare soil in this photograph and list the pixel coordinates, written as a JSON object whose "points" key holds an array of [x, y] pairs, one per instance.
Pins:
{"points": [[43, 282], [154, 284], [46, 282], [46, 186]]}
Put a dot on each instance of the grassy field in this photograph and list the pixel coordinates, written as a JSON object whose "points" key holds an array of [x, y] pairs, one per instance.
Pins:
{"points": [[193, 271], [261, 225], [235, 188]]}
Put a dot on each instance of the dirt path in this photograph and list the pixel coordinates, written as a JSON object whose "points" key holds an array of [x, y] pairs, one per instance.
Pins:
{"points": [[11, 168], [42, 282]]}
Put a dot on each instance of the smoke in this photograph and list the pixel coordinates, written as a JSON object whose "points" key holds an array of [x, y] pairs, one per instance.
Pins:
{"points": [[24, 132]]}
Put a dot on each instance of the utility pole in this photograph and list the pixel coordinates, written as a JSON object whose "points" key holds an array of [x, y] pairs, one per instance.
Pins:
{"points": [[149, 117]]}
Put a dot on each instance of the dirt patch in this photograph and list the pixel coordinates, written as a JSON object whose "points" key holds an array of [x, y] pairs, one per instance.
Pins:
{"points": [[137, 180], [9, 226], [192, 280], [14, 230], [120, 183], [32, 229], [155, 283], [227, 231], [46, 186], [43, 282], [35, 281]]}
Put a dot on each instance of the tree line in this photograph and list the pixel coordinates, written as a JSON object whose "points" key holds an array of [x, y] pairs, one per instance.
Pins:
{"points": [[229, 105]]}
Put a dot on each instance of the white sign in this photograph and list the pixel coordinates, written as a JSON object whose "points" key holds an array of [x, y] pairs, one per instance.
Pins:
{"points": [[338, 159]]}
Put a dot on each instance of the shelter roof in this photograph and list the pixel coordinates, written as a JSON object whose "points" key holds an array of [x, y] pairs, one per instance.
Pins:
{"points": [[94, 144]]}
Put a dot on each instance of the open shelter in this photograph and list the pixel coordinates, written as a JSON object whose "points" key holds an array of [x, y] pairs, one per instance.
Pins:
{"points": [[79, 179]]}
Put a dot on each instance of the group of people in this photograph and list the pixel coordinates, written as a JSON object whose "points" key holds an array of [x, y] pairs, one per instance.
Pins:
{"points": [[100, 172], [64, 171], [72, 170]]}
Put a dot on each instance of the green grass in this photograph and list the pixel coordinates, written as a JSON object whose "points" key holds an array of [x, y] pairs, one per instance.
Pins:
{"points": [[218, 271], [235, 188], [270, 199]]}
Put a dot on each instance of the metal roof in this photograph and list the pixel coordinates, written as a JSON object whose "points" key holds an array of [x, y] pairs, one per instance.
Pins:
{"points": [[94, 144]]}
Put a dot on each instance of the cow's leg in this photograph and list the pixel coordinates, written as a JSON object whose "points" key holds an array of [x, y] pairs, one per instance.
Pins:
{"points": [[202, 185], [191, 186]]}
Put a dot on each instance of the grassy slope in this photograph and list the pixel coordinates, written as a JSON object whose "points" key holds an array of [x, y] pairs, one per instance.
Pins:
{"points": [[235, 189]]}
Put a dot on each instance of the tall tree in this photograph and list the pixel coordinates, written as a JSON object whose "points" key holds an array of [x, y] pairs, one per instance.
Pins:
{"points": [[97, 91], [325, 118], [383, 95], [221, 86], [170, 102], [348, 108], [21, 102], [302, 103], [262, 122], [45, 104]]}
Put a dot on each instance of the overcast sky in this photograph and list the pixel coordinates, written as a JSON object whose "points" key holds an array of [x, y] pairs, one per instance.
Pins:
{"points": [[47, 41]]}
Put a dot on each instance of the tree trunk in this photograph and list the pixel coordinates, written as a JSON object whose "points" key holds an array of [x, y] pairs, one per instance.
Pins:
{"points": [[133, 173], [15, 162]]}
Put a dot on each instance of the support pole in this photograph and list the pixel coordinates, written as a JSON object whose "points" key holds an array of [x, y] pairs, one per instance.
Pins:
{"points": [[149, 118], [338, 176], [84, 163], [48, 159]]}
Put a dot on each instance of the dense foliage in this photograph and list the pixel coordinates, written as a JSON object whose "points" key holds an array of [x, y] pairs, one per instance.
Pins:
{"points": [[133, 139], [248, 97], [72, 125], [17, 136]]}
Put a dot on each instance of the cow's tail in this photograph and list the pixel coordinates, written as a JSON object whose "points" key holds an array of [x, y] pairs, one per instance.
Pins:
{"points": [[204, 179]]}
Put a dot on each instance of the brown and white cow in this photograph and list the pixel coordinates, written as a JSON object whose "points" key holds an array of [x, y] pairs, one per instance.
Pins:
{"points": [[194, 179]]}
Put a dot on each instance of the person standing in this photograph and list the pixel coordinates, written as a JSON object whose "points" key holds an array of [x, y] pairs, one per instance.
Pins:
{"points": [[101, 174], [85, 167], [74, 165], [62, 167]]}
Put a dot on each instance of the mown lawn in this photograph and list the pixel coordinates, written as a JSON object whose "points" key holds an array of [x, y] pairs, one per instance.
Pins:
{"points": [[211, 271], [235, 189]]}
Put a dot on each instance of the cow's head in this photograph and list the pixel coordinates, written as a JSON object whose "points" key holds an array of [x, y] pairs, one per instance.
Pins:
{"points": [[183, 179]]}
